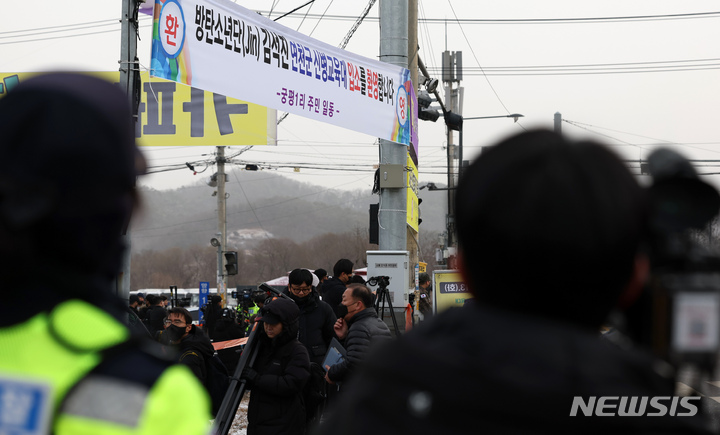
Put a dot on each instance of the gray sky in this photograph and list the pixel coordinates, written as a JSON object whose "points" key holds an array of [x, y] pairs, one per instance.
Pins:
{"points": [[631, 83]]}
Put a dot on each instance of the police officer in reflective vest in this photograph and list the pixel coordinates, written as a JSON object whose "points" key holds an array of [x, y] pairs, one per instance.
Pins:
{"points": [[69, 364]]}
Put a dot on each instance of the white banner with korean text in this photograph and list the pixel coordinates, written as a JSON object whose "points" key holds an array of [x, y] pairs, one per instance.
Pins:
{"points": [[221, 47]]}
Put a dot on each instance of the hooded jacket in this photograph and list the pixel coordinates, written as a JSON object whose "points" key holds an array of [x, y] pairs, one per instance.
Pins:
{"points": [[276, 405], [317, 319]]}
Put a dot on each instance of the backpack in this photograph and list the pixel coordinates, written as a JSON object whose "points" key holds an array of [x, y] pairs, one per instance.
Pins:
{"points": [[217, 380], [314, 393]]}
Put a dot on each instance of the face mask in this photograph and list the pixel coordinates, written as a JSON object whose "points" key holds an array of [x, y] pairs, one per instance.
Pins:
{"points": [[175, 333], [341, 311]]}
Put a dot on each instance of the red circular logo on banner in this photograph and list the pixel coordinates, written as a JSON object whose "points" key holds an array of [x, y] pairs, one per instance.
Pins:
{"points": [[401, 108], [171, 28]]}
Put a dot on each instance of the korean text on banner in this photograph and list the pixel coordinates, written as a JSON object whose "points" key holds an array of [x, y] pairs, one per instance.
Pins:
{"points": [[221, 47], [449, 290], [174, 115]]}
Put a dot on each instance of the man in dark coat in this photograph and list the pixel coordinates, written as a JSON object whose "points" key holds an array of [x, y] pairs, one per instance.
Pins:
{"points": [[212, 312], [333, 288], [357, 327], [317, 319], [322, 277], [193, 347], [550, 234], [279, 374], [425, 294], [155, 316]]}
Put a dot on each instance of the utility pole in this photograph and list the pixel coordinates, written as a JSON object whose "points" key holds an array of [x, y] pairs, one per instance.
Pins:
{"points": [[222, 224], [451, 72], [130, 82], [413, 239], [392, 215], [558, 123]]}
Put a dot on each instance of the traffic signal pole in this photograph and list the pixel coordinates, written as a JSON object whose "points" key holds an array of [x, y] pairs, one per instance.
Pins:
{"points": [[222, 224]]}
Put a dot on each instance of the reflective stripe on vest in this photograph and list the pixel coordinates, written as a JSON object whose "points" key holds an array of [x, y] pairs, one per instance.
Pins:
{"points": [[51, 352], [97, 397]]}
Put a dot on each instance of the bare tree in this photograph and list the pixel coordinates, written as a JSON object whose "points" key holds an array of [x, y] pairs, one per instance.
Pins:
{"points": [[268, 259]]}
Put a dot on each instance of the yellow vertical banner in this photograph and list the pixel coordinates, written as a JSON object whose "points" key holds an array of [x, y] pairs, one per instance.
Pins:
{"points": [[413, 212]]}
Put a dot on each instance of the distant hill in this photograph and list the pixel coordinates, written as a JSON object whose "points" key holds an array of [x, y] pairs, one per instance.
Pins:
{"points": [[260, 204]]}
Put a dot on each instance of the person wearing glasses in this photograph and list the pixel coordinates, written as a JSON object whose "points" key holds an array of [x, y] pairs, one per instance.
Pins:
{"points": [[316, 316], [189, 341], [316, 323]]}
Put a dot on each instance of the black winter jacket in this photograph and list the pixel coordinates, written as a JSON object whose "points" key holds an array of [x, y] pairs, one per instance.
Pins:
{"points": [[154, 317], [363, 328], [228, 329], [317, 319], [194, 350], [276, 404], [332, 291], [480, 370]]}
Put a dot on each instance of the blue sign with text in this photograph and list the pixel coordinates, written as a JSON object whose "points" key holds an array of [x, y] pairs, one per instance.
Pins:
{"points": [[204, 290]]}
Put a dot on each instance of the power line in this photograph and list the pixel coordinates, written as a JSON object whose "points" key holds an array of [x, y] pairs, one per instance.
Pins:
{"points": [[532, 67], [661, 17], [596, 71], [479, 66], [65, 28], [590, 127], [94, 33], [460, 21]]}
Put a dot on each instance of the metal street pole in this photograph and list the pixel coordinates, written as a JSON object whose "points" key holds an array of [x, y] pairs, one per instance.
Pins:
{"points": [[413, 238], [451, 73], [222, 223], [558, 123], [392, 214], [450, 102], [130, 82]]}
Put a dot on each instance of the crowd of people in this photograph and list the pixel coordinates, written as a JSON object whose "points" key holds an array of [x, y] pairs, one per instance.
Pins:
{"points": [[551, 234]]}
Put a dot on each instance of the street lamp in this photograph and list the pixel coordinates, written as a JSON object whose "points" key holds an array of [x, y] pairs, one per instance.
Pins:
{"points": [[514, 116]]}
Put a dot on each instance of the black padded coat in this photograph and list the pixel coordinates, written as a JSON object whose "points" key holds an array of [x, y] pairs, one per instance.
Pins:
{"points": [[276, 404]]}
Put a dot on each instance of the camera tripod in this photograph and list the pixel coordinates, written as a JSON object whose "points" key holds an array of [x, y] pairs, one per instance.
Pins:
{"points": [[382, 295]]}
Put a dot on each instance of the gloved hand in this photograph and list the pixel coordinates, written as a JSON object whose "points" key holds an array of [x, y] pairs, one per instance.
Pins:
{"points": [[249, 374]]}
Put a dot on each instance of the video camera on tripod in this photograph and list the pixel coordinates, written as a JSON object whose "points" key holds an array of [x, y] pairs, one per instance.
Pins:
{"points": [[383, 295], [243, 297], [380, 281], [677, 316]]}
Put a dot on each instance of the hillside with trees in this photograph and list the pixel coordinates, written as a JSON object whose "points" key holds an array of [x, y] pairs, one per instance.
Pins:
{"points": [[275, 224]]}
